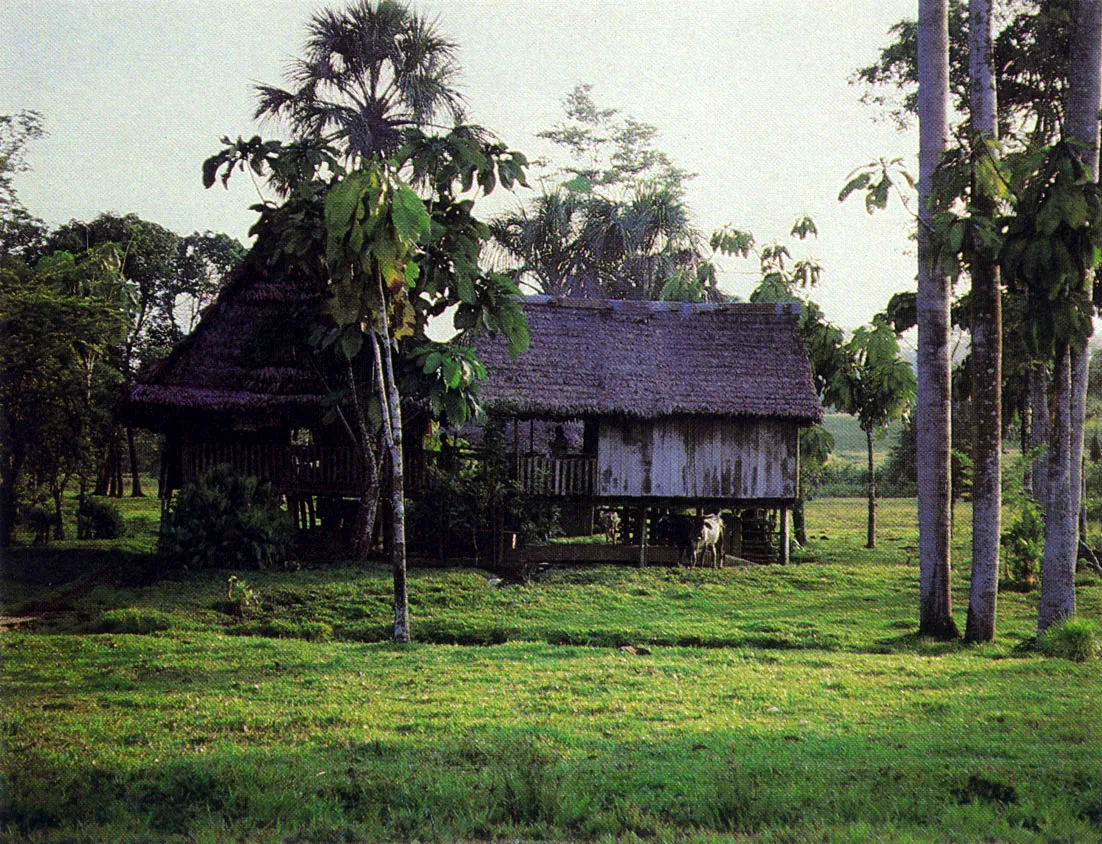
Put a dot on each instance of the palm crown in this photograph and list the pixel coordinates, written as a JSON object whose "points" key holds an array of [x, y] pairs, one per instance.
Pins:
{"points": [[370, 72]]}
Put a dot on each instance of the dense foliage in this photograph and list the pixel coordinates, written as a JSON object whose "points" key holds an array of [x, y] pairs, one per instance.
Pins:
{"points": [[225, 520]]}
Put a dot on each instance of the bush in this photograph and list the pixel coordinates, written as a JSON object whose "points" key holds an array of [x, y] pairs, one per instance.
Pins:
{"points": [[225, 520], [1023, 545], [457, 510], [1073, 638], [240, 597], [133, 620], [40, 522], [98, 519]]}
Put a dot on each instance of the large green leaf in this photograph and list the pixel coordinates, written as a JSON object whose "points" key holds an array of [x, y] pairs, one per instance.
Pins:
{"points": [[409, 215]]}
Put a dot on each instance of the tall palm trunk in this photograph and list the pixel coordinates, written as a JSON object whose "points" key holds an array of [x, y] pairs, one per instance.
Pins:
{"points": [[871, 537], [932, 305], [1070, 370], [986, 345], [1058, 562], [1038, 430]]}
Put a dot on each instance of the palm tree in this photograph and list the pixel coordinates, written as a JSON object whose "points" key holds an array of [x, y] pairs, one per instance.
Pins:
{"points": [[574, 243], [543, 237], [932, 307], [1070, 368], [370, 73], [986, 342]]}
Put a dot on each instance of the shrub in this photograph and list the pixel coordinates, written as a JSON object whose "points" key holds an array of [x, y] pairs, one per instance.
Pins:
{"points": [[240, 597], [40, 521], [1023, 545], [98, 519], [1073, 638], [133, 620], [457, 510], [225, 520]]}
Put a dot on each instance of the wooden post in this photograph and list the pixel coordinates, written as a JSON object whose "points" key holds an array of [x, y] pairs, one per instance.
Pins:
{"points": [[784, 549], [642, 537], [516, 448]]}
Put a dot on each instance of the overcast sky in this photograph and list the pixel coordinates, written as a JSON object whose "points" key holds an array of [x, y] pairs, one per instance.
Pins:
{"points": [[752, 96]]}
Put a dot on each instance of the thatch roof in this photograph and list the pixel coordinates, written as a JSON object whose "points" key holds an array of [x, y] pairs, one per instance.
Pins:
{"points": [[246, 357], [651, 359]]}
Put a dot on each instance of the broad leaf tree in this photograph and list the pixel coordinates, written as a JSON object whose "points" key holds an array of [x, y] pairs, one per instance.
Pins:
{"points": [[59, 326], [877, 386], [785, 279], [383, 223]]}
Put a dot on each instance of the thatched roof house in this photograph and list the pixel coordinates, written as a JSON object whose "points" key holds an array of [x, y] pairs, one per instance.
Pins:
{"points": [[681, 402], [247, 359], [652, 359]]}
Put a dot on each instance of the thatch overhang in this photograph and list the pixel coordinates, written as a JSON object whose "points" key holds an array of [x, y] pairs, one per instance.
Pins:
{"points": [[246, 361], [646, 360]]}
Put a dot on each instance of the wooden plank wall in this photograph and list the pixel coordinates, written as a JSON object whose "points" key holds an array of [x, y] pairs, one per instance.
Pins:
{"points": [[698, 457]]}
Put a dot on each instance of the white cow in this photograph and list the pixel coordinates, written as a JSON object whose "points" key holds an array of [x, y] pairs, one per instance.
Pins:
{"points": [[709, 538]]}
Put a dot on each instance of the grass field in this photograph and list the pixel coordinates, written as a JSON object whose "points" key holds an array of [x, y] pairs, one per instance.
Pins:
{"points": [[760, 703], [849, 439]]}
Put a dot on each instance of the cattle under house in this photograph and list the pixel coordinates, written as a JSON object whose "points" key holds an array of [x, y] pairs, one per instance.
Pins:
{"points": [[679, 406]]}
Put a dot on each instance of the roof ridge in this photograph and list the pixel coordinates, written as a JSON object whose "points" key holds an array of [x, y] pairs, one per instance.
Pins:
{"points": [[663, 306]]}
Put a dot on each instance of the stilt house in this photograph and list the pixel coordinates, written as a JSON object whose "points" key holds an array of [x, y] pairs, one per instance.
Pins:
{"points": [[683, 405]]}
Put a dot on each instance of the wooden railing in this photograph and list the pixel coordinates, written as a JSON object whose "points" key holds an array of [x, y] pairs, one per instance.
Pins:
{"points": [[558, 476], [307, 469]]}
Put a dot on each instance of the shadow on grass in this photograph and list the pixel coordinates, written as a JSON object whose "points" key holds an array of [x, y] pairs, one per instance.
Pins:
{"points": [[527, 783]]}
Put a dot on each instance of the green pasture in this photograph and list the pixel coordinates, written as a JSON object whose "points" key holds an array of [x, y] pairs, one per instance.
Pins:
{"points": [[850, 443], [760, 703]]}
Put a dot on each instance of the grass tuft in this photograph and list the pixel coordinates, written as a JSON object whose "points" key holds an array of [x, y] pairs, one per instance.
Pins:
{"points": [[1076, 639], [139, 620]]}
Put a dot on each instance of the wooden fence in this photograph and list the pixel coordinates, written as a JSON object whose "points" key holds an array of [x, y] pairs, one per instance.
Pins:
{"points": [[305, 469], [558, 476]]}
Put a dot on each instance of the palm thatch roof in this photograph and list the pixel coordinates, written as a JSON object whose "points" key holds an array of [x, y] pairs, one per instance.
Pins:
{"points": [[247, 357], [652, 359]]}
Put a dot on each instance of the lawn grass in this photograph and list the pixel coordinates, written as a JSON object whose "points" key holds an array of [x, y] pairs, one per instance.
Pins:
{"points": [[777, 703]]}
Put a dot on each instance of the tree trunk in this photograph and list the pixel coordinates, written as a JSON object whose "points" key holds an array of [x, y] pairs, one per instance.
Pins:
{"points": [[135, 477], [363, 524], [799, 521], [1070, 380], [986, 346], [57, 491], [1025, 417], [1038, 431], [871, 538], [932, 306], [1058, 563], [392, 433], [11, 464]]}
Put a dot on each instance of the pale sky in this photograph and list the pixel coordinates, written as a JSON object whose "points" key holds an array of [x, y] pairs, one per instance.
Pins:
{"points": [[752, 96]]}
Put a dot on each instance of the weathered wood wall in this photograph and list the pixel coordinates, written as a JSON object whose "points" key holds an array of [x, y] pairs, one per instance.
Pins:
{"points": [[698, 457]]}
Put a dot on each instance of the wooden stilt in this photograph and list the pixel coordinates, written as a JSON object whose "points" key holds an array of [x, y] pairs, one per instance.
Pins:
{"points": [[785, 551], [642, 537]]}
